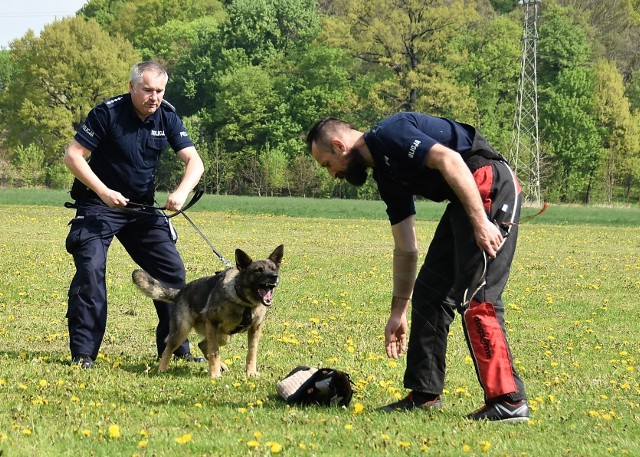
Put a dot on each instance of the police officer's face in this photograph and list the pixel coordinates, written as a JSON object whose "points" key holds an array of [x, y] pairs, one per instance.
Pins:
{"points": [[343, 164], [147, 95]]}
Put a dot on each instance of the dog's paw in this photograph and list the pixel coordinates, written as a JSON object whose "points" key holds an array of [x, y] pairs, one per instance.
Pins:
{"points": [[223, 367], [252, 373]]}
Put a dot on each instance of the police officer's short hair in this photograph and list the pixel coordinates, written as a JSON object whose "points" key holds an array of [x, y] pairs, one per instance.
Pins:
{"points": [[322, 131], [148, 65]]}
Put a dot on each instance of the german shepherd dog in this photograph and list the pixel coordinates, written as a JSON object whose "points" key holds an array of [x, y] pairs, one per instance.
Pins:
{"points": [[232, 301]]}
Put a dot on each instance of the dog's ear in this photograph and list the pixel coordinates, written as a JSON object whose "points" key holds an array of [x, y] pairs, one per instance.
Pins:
{"points": [[276, 255], [242, 259]]}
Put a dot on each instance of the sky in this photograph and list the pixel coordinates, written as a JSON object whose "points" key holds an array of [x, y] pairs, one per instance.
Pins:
{"points": [[18, 16]]}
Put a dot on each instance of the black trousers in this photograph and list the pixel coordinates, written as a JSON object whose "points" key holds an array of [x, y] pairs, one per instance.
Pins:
{"points": [[147, 239], [452, 265]]}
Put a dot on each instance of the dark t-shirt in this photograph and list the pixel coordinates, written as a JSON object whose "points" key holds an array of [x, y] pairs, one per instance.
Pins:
{"points": [[399, 146], [125, 149]]}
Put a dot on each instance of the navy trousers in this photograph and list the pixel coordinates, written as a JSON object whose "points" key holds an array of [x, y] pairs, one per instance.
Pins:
{"points": [[452, 264], [147, 239]]}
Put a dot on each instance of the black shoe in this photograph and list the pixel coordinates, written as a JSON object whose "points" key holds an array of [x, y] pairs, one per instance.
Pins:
{"points": [[410, 402], [502, 411], [189, 358], [83, 361]]}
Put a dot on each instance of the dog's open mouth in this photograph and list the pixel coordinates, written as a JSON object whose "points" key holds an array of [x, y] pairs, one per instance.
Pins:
{"points": [[266, 292]]}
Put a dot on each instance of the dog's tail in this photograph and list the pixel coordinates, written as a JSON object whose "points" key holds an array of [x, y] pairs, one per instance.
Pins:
{"points": [[153, 288]]}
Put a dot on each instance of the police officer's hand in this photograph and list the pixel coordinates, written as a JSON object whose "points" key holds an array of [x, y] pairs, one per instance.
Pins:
{"points": [[489, 238], [176, 200], [395, 335], [113, 199]]}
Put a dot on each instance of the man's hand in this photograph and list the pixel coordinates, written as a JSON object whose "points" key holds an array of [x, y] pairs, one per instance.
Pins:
{"points": [[176, 200], [489, 237], [395, 335], [113, 198]]}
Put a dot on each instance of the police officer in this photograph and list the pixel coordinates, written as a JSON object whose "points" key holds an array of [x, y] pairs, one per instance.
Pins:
{"points": [[439, 159], [124, 137]]}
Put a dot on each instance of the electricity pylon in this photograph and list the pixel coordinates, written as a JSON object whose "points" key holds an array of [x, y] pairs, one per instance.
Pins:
{"points": [[525, 145]]}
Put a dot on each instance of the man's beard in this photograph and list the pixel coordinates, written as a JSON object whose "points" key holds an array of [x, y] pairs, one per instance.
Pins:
{"points": [[356, 173]]}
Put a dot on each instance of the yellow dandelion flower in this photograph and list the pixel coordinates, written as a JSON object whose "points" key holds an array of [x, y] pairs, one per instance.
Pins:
{"points": [[275, 447], [198, 405], [184, 439], [22, 386], [466, 448], [3, 382], [143, 443], [424, 448], [253, 443], [114, 431], [242, 410], [404, 444], [86, 433], [144, 433], [384, 436], [485, 446], [348, 427], [302, 446], [358, 408], [257, 435], [75, 399], [43, 383]]}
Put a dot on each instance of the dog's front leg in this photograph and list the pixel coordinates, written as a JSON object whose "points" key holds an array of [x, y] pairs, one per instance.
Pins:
{"points": [[213, 349], [252, 350]]}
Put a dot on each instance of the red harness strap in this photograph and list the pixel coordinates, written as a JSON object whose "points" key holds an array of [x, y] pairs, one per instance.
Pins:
{"points": [[489, 349]]}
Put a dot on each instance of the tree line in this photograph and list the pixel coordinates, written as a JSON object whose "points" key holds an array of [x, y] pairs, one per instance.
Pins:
{"points": [[249, 77]]}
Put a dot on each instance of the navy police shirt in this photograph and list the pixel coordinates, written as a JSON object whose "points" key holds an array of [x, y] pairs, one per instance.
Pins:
{"points": [[399, 146], [125, 149]]}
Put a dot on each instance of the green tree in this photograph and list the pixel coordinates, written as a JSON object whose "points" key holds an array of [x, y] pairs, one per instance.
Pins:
{"points": [[413, 42], [59, 77], [491, 68], [615, 26], [621, 134], [573, 146], [7, 68], [569, 128], [274, 166], [563, 43], [262, 27]]}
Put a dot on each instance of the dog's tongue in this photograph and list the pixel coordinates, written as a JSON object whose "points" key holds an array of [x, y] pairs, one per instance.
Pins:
{"points": [[267, 296]]}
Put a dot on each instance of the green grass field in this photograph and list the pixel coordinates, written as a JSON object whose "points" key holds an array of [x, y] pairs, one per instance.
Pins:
{"points": [[572, 315]]}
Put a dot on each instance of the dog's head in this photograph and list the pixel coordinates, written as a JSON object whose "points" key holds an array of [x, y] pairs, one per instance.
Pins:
{"points": [[258, 278]]}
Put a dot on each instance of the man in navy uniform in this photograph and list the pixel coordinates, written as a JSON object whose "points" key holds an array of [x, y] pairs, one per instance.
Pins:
{"points": [[124, 137], [469, 258]]}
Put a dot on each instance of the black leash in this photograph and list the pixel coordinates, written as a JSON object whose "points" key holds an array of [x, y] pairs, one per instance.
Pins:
{"points": [[142, 207], [146, 210], [225, 262]]}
